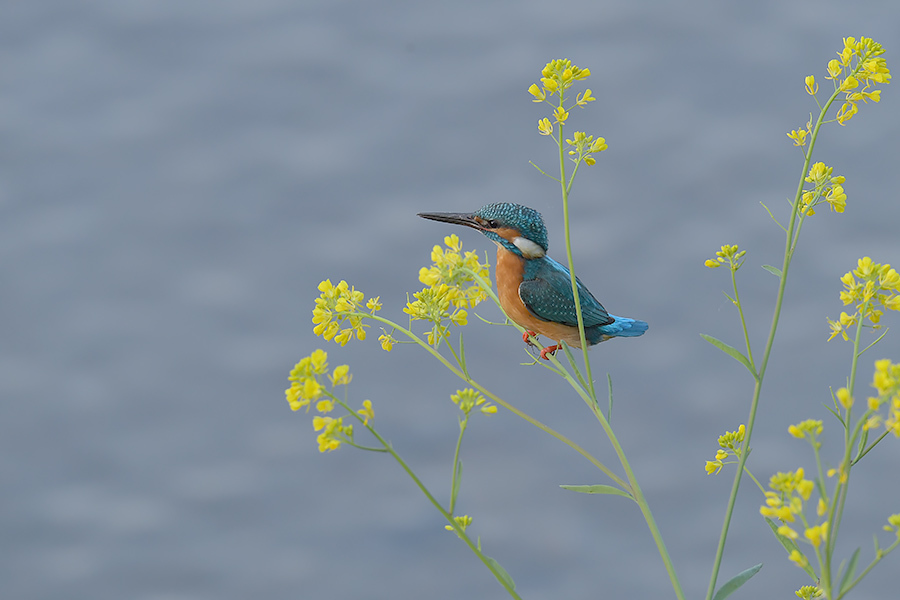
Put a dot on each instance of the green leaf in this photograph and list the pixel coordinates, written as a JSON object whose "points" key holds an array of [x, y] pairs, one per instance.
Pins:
{"points": [[456, 482], [462, 355], [597, 489], [730, 351], [735, 582], [503, 574], [609, 386], [790, 546], [835, 413], [773, 270], [851, 571]]}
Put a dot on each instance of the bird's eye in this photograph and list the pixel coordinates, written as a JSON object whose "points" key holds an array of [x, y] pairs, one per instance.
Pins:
{"points": [[493, 224]]}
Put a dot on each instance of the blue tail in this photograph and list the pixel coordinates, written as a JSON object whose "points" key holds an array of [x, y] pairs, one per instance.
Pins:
{"points": [[621, 327]]}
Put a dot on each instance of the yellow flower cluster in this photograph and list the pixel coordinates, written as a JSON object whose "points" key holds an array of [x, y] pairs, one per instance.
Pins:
{"points": [[337, 304], [893, 524], [451, 288], [729, 445], [809, 592], [556, 77], [468, 399], [860, 61], [306, 388], [463, 521], [452, 267], [584, 145], [785, 500], [729, 254], [878, 286], [809, 428], [334, 432], [886, 382], [434, 304], [826, 188]]}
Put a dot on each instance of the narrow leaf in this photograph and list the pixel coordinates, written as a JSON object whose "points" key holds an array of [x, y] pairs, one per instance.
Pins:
{"points": [[609, 386], [773, 270], [851, 571], [462, 355], [597, 489], [730, 351], [835, 413], [503, 574], [773, 218], [790, 546], [735, 582], [454, 493]]}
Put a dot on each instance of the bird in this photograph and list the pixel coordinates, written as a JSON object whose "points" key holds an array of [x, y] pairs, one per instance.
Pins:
{"points": [[535, 291]]}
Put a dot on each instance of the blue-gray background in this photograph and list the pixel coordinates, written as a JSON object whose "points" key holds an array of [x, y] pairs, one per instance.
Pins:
{"points": [[177, 177]]}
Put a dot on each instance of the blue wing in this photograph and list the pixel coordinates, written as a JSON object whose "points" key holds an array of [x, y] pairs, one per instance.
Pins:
{"points": [[546, 291]]}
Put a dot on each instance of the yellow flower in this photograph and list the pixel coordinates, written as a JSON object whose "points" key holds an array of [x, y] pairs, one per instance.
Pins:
{"points": [[341, 375], [336, 305], [387, 342], [788, 532], [817, 534], [466, 399], [599, 145], [333, 433], [463, 521], [809, 592], [292, 395], [545, 127], [798, 559], [713, 467], [821, 507], [732, 439], [325, 406], [811, 86], [537, 92], [799, 136], [810, 427], [712, 264], [583, 99], [374, 304], [560, 114], [366, 411], [844, 397], [893, 524]]}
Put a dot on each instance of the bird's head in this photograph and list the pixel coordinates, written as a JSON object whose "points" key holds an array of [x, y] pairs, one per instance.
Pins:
{"points": [[514, 227]]}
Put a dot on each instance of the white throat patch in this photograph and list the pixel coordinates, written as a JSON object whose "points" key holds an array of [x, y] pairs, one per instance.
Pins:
{"points": [[528, 248]]}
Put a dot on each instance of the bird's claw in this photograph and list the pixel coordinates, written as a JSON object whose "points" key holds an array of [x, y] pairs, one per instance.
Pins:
{"points": [[549, 350], [528, 334]]}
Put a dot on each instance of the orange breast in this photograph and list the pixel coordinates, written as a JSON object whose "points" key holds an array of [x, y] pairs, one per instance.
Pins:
{"points": [[510, 269]]}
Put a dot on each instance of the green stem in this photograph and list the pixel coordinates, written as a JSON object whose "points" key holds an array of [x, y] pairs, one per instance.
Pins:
{"points": [[493, 397], [565, 198], [790, 246], [454, 484], [489, 563], [843, 481], [880, 555]]}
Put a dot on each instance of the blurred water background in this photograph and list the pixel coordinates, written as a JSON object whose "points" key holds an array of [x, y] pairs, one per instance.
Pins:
{"points": [[178, 176]]}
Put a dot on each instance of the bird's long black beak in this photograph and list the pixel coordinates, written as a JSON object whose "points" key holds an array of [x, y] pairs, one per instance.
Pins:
{"points": [[467, 219]]}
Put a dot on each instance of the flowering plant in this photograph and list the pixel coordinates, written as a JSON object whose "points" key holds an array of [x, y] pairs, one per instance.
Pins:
{"points": [[457, 282]]}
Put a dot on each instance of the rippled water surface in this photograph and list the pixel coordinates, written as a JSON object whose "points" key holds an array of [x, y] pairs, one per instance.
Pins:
{"points": [[177, 177]]}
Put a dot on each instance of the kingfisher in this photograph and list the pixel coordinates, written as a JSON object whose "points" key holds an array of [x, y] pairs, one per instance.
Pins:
{"points": [[536, 291]]}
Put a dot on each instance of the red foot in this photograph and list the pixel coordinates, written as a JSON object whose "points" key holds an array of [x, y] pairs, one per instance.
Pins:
{"points": [[550, 350], [528, 334]]}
